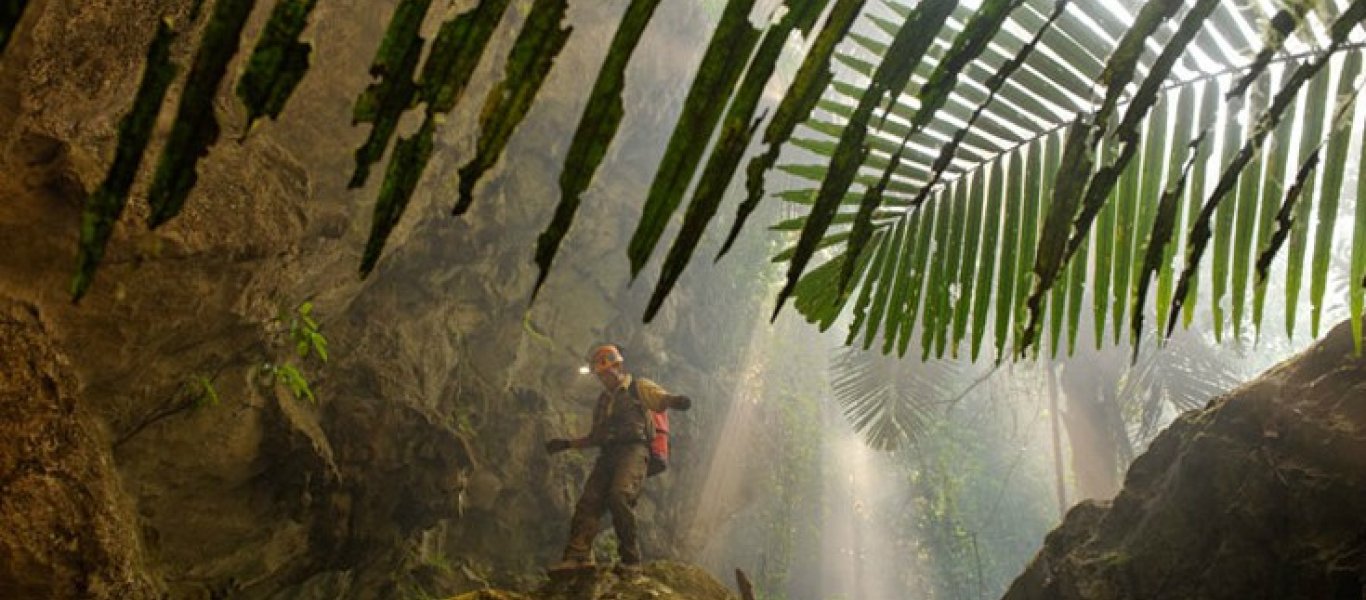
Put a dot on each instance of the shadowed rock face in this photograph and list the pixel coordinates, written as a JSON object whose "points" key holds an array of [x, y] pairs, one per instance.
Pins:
{"points": [[67, 533], [1262, 494]]}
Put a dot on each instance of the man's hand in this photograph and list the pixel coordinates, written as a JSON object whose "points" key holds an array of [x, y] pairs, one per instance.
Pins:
{"points": [[680, 403], [558, 445]]}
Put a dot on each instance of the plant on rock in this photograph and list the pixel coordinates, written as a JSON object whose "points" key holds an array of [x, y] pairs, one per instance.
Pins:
{"points": [[301, 332]]}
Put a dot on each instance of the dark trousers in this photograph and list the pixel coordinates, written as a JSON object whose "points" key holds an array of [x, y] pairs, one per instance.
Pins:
{"points": [[614, 485]]}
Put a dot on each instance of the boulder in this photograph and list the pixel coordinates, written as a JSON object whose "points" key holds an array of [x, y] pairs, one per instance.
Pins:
{"points": [[1261, 494]]}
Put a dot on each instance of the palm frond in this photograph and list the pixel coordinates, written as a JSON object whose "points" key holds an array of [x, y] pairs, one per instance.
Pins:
{"points": [[1152, 161], [884, 400]]}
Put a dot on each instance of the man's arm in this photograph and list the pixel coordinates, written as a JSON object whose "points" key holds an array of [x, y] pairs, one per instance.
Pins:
{"points": [[594, 437], [658, 399]]}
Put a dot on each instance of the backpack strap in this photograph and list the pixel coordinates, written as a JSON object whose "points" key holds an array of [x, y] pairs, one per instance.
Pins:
{"points": [[634, 391]]}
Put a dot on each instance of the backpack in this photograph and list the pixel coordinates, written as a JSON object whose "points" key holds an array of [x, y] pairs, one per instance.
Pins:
{"points": [[656, 433]]}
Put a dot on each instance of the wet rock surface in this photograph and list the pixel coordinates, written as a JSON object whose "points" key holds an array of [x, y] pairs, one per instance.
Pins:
{"points": [[1262, 494]]}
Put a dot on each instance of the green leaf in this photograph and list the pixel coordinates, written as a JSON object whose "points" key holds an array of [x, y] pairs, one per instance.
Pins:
{"points": [[1130, 188], [936, 288], [914, 37], [952, 262], [1150, 199], [886, 280], [597, 127], [865, 298], [1105, 237], [918, 268], [1311, 136], [1334, 166], [830, 240], [1127, 132], [196, 128], [737, 128], [532, 56], [10, 12], [1286, 21], [817, 298], [1247, 201], [1029, 234], [1209, 107], [844, 218], [383, 102], [810, 82], [1273, 189], [1010, 261], [967, 46], [1119, 71], [993, 85], [896, 303], [105, 205], [1067, 193], [277, 63], [1268, 120], [731, 44], [1123, 63], [1283, 220], [296, 383], [1163, 223], [1077, 282], [1223, 235], [991, 234], [967, 270], [1048, 164], [934, 93]]}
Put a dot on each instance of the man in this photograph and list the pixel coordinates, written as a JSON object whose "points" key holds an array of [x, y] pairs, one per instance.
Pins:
{"points": [[622, 430]]}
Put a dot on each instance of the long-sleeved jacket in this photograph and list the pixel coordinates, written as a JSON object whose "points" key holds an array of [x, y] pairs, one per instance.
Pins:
{"points": [[621, 417]]}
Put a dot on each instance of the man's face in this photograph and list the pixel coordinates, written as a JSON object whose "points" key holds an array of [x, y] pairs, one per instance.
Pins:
{"points": [[610, 376], [607, 365]]}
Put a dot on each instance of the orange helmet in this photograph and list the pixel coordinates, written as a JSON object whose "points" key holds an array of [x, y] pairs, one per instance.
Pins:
{"points": [[603, 357]]}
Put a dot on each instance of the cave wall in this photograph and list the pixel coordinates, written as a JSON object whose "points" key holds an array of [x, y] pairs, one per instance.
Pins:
{"points": [[419, 469]]}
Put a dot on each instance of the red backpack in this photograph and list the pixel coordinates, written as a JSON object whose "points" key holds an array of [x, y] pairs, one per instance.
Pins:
{"points": [[659, 444], [657, 430]]}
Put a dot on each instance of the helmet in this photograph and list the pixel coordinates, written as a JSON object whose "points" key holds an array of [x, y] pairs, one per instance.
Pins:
{"points": [[603, 357]]}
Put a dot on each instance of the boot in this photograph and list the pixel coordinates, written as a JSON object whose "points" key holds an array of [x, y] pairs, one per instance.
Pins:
{"points": [[572, 564], [630, 570]]}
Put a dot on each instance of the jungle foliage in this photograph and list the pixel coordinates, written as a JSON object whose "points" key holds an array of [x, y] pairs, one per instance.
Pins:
{"points": [[995, 166]]}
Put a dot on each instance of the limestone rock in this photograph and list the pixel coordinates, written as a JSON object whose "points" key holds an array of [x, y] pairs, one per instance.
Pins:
{"points": [[1262, 494]]}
